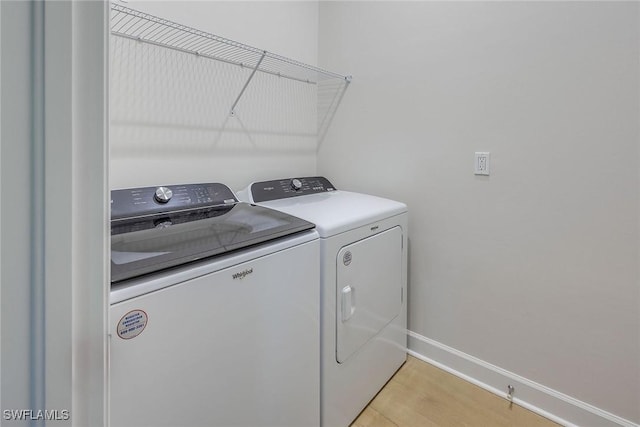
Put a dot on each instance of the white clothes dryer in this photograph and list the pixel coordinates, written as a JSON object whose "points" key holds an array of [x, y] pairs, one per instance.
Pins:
{"points": [[363, 270]]}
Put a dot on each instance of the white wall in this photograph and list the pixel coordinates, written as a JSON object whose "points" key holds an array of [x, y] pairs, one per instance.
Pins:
{"points": [[534, 268], [170, 111]]}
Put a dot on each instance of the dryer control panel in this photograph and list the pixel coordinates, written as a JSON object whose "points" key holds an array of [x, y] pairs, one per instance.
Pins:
{"points": [[289, 187]]}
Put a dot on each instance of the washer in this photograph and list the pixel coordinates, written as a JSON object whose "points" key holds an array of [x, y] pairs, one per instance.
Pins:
{"points": [[214, 316], [363, 258]]}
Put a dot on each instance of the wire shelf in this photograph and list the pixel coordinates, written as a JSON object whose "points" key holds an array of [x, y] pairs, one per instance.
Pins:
{"points": [[136, 25]]}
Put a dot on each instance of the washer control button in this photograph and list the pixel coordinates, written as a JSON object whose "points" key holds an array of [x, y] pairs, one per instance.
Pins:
{"points": [[163, 194], [296, 184]]}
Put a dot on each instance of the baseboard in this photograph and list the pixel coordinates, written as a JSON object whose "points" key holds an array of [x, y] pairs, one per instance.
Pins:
{"points": [[549, 403]]}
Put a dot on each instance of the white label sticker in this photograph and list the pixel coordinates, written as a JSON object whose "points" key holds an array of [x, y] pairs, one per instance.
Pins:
{"points": [[132, 324]]}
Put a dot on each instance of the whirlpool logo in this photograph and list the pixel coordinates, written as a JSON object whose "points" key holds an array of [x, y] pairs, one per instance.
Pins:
{"points": [[242, 274]]}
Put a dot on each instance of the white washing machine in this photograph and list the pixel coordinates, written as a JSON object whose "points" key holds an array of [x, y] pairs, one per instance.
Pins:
{"points": [[215, 314], [363, 258]]}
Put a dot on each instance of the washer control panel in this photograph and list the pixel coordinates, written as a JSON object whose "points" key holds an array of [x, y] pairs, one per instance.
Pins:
{"points": [[153, 200], [289, 187]]}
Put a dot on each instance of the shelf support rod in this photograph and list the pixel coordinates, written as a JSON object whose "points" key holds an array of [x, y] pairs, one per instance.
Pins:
{"points": [[233, 107]]}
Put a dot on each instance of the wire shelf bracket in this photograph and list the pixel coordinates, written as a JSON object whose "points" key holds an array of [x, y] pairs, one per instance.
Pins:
{"points": [[133, 24], [233, 107]]}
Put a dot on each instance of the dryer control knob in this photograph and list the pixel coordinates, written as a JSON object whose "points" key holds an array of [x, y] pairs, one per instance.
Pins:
{"points": [[296, 184], [163, 194]]}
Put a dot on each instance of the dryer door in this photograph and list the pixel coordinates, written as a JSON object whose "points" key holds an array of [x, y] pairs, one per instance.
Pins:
{"points": [[368, 291]]}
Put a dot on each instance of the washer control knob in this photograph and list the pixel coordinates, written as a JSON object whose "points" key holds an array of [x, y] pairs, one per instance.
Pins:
{"points": [[296, 184], [163, 194]]}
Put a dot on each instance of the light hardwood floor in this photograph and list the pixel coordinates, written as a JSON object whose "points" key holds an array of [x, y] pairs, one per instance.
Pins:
{"points": [[421, 395]]}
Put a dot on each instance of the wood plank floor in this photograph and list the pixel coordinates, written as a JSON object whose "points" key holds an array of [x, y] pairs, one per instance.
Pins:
{"points": [[421, 395]]}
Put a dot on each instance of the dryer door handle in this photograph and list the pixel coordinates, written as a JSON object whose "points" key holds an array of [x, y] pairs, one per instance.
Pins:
{"points": [[348, 302]]}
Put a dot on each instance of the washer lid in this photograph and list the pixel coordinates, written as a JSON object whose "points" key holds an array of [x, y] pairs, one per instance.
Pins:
{"points": [[338, 211], [147, 244]]}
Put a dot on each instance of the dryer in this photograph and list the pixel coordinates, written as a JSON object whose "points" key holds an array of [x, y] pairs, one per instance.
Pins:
{"points": [[363, 270]]}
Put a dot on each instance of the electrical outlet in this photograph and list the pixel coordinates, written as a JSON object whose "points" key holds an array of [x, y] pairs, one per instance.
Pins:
{"points": [[482, 163]]}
